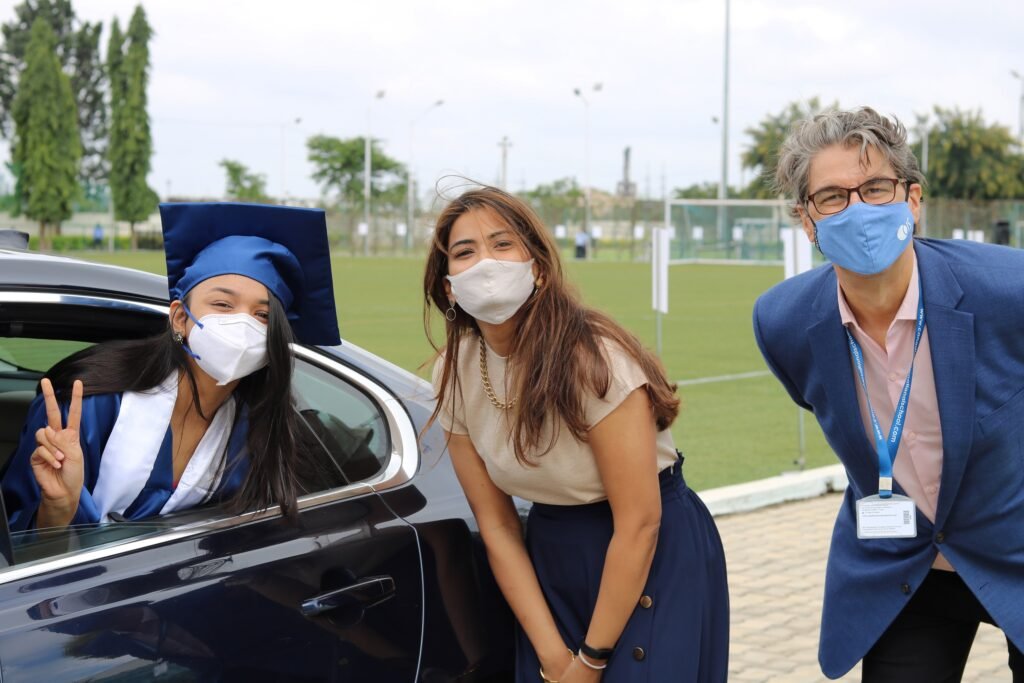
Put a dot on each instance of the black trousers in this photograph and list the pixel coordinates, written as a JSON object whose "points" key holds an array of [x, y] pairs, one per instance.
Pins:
{"points": [[930, 639]]}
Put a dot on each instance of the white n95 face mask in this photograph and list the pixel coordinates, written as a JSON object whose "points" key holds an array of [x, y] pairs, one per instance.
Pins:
{"points": [[228, 346], [492, 291]]}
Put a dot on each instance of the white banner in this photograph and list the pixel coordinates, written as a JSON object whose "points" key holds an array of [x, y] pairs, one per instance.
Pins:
{"points": [[796, 251], [659, 269]]}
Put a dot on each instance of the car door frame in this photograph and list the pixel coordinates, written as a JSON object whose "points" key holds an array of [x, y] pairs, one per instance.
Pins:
{"points": [[402, 464]]}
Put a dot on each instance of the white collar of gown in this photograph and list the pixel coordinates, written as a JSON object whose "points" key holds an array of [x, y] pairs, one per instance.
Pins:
{"points": [[135, 441]]}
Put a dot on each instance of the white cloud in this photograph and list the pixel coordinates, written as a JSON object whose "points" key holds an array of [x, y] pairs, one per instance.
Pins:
{"points": [[227, 75]]}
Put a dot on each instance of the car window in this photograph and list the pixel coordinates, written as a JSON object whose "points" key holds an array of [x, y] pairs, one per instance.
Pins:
{"points": [[39, 355], [346, 435], [30, 546], [344, 423]]}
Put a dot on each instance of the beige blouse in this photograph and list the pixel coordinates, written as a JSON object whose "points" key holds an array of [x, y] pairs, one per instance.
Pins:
{"points": [[565, 475]]}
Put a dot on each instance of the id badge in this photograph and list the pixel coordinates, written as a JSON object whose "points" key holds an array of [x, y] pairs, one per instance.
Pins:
{"points": [[894, 517]]}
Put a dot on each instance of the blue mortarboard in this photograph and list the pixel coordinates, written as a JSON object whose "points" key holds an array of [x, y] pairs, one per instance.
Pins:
{"points": [[284, 248]]}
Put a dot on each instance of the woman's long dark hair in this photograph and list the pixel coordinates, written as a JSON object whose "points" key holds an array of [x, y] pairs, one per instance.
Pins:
{"points": [[557, 351], [266, 395]]}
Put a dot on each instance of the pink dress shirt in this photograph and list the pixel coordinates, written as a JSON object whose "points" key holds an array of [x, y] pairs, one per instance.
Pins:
{"points": [[918, 465]]}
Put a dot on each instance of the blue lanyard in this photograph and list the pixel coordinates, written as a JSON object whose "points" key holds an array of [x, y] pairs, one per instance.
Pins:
{"points": [[887, 448]]}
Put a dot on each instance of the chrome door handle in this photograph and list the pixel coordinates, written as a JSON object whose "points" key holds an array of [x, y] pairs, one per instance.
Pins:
{"points": [[363, 594]]}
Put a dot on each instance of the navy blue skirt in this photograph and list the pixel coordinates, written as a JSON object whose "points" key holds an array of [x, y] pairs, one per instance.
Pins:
{"points": [[679, 631]]}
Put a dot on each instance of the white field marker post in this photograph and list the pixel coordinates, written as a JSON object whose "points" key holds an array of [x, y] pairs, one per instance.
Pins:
{"points": [[796, 259], [659, 277]]}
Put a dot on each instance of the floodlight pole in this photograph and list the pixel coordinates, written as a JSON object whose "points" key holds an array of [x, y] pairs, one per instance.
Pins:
{"points": [[586, 161], [409, 179], [1020, 107], [367, 170], [284, 157], [504, 143], [723, 184], [922, 122]]}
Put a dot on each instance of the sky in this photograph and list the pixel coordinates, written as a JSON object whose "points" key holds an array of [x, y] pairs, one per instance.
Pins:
{"points": [[230, 79]]}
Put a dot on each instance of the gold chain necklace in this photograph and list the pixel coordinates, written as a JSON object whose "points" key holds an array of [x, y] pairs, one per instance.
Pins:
{"points": [[487, 381]]}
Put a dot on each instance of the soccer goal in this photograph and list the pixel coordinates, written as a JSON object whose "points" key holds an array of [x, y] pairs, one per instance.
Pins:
{"points": [[727, 231]]}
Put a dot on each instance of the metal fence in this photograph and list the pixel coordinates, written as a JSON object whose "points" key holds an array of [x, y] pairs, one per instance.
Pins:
{"points": [[738, 230]]}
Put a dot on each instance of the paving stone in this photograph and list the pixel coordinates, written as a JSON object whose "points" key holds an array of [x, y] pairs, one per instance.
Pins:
{"points": [[776, 562], [752, 674]]}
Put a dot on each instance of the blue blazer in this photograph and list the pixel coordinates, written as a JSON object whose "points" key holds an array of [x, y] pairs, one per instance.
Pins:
{"points": [[974, 312]]}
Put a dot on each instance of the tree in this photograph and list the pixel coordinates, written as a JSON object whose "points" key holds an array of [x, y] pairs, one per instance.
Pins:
{"points": [[243, 185], [762, 155], [338, 166], [131, 145], [969, 159], [115, 66], [77, 48], [87, 83], [556, 202], [46, 146]]}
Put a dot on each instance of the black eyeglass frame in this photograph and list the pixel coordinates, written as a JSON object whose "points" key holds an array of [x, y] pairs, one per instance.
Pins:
{"points": [[809, 199]]}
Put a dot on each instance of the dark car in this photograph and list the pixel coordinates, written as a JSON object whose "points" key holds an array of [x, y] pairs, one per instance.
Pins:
{"points": [[382, 579]]}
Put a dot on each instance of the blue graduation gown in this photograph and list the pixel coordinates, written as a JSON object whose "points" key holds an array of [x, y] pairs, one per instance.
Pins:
{"points": [[99, 413]]}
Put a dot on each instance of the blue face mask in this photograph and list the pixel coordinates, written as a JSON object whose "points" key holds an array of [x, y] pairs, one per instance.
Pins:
{"points": [[866, 238]]}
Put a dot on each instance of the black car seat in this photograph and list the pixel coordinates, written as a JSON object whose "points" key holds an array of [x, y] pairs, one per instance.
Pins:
{"points": [[13, 409]]}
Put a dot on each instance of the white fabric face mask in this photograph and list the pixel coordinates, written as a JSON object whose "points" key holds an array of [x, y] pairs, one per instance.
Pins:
{"points": [[491, 290], [228, 346]]}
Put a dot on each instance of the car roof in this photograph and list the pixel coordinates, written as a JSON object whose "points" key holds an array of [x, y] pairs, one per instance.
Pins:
{"points": [[30, 270]]}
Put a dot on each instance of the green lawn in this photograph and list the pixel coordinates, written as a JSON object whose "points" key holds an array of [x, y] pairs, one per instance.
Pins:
{"points": [[730, 431]]}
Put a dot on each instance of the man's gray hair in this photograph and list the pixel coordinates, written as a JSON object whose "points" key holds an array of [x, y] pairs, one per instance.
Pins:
{"points": [[863, 127]]}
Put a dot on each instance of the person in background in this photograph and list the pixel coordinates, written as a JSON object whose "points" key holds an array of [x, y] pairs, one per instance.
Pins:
{"points": [[909, 353], [582, 245], [621, 573]]}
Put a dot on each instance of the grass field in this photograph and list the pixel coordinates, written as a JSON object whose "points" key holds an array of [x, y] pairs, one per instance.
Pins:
{"points": [[730, 431]]}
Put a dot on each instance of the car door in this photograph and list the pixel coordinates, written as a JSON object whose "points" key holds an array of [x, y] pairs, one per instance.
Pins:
{"points": [[208, 595]]}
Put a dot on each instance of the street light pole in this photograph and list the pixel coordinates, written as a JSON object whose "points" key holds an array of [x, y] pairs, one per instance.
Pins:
{"points": [[586, 155], [922, 130], [409, 177], [505, 143], [284, 157], [1020, 106], [367, 170], [723, 184]]}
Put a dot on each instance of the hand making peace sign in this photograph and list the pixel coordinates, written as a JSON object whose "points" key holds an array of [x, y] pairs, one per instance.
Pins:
{"points": [[57, 462]]}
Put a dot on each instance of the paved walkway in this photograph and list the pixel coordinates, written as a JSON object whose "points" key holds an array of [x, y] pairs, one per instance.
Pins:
{"points": [[776, 559]]}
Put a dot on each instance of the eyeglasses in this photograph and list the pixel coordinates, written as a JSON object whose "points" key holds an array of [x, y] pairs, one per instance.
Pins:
{"points": [[875, 191]]}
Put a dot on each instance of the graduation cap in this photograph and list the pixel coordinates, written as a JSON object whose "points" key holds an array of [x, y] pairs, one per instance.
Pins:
{"points": [[283, 247]]}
